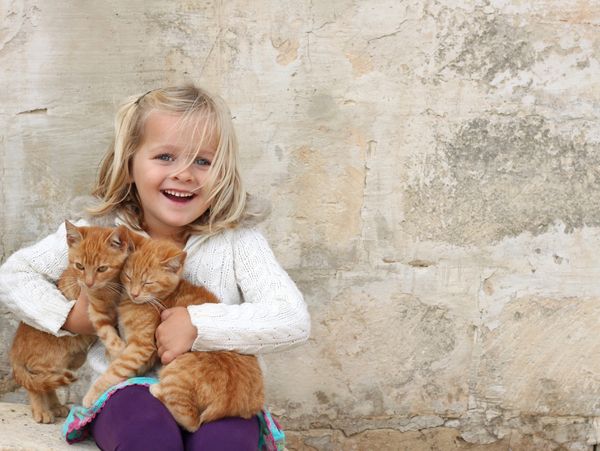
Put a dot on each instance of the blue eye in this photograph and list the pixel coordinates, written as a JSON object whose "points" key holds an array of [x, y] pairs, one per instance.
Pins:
{"points": [[202, 162], [165, 157]]}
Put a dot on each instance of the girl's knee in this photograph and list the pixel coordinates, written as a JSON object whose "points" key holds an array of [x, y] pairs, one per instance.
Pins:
{"points": [[228, 434], [134, 420], [152, 430], [159, 440]]}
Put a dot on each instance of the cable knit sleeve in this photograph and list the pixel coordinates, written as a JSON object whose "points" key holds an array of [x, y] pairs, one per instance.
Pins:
{"points": [[273, 315], [28, 283]]}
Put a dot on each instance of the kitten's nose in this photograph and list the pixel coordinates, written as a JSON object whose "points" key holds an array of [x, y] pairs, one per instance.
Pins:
{"points": [[135, 294], [89, 282]]}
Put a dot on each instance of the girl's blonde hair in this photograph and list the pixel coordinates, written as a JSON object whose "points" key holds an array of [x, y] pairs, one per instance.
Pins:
{"points": [[209, 117]]}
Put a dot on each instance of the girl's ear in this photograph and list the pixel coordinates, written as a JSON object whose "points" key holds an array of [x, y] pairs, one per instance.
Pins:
{"points": [[175, 264], [74, 235], [119, 239], [129, 178]]}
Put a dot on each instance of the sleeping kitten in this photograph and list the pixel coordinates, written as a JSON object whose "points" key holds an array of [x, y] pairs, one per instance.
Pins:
{"points": [[42, 362], [196, 387]]}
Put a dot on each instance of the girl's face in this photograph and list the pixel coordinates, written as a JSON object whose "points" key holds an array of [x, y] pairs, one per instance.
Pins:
{"points": [[171, 193]]}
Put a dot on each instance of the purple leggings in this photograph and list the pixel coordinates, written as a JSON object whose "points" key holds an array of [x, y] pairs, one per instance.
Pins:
{"points": [[132, 419]]}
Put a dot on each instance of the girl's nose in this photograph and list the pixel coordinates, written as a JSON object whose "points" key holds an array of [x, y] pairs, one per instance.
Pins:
{"points": [[184, 174]]}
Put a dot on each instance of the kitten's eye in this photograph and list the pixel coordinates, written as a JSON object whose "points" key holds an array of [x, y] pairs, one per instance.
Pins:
{"points": [[79, 266], [126, 276], [102, 268], [148, 282]]}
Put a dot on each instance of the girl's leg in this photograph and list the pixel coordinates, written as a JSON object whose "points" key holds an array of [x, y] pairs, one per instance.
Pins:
{"points": [[228, 434], [132, 419]]}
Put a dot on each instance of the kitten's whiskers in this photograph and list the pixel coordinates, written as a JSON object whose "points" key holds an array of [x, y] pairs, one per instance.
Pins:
{"points": [[155, 302], [115, 288], [71, 282]]}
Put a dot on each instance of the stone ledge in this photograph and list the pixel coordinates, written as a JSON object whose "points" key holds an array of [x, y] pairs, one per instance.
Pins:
{"points": [[18, 432]]}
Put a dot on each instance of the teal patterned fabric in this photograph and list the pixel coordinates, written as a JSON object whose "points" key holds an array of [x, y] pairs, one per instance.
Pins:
{"points": [[75, 428]]}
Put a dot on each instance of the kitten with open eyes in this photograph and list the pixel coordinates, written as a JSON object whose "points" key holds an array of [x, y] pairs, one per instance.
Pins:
{"points": [[98, 255], [42, 362], [196, 387]]}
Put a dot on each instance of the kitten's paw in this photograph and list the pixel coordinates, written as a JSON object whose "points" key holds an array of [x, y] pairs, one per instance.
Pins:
{"points": [[155, 390], [42, 416], [60, 411], [89, 398], [68, 377]]}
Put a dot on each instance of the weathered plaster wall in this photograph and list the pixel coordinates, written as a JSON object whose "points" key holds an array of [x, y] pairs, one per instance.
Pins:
{"points": [[434, 170]]}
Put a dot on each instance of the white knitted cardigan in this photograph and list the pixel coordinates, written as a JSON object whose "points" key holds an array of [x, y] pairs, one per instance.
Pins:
{"points": [[261, 309]]}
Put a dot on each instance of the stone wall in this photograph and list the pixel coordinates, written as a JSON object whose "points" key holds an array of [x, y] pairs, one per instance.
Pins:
{"points": [[434, 169]]}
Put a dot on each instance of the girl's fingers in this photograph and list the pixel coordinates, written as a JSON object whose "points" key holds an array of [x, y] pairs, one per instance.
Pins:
{"points": [[166, 357], [165, 314]]}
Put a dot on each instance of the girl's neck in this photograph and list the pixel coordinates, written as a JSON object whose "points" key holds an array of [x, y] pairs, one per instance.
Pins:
{"points": [[179, 238]]}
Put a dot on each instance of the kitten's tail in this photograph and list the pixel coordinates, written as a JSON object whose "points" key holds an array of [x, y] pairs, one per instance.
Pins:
{"points": [[8, 384], [42, 379]]}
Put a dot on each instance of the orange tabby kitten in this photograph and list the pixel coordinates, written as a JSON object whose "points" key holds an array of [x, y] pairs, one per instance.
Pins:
{"points": [[98, 255], [42, 362], [196, 387]]}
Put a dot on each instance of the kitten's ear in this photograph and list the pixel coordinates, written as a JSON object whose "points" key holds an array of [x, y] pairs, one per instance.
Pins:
{"points": [[74, 236], [175, 264], [119, 239], [134, 240]]}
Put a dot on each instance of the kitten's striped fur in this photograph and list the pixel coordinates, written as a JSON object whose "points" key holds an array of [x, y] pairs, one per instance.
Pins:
{"points": [[42, 362], [196, 387]]}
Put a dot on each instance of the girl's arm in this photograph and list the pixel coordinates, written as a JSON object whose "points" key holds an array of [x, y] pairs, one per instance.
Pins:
{"points": [[273, 316], [78, 320], [28, 283]]}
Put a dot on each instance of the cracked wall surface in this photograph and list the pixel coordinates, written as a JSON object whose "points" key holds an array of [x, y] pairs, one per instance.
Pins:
{"points": [[434, 173]]}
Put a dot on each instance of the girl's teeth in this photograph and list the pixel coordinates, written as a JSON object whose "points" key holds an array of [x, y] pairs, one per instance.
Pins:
{"points": [[176, 194]]}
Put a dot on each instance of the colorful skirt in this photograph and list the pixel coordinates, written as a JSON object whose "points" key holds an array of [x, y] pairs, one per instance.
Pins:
{"points": [[76, 426]]}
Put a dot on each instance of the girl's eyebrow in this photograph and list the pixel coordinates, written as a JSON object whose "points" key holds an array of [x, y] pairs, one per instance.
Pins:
{"points": [[171, 147], [206, 152], [164, 147]]}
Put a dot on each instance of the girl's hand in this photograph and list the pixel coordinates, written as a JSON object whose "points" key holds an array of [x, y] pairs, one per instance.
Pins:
{"points": [[78, 321], [175, 334]]}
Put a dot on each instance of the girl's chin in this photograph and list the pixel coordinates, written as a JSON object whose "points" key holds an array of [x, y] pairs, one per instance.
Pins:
{"points": [[179, 223]]}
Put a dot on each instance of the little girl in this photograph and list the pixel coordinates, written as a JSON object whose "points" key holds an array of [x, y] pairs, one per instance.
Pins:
{"points": [[172, 172]]}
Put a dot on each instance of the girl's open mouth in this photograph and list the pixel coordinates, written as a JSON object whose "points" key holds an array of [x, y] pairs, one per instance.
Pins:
{"points": [[178, 196]]}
